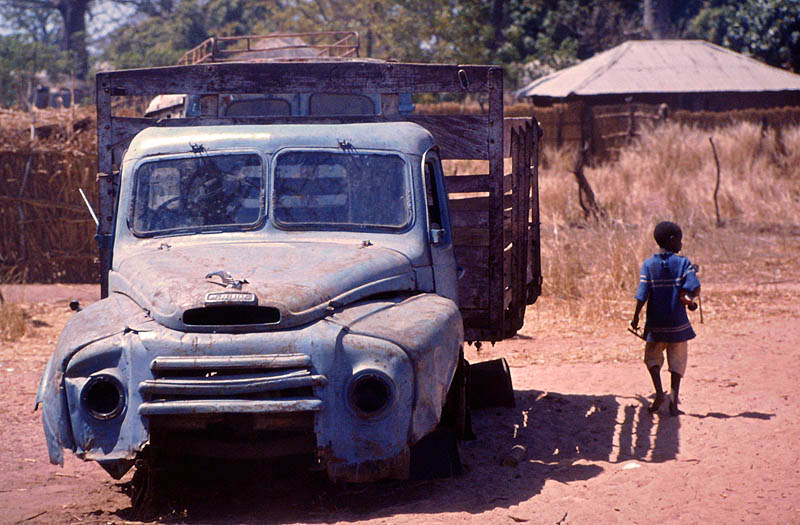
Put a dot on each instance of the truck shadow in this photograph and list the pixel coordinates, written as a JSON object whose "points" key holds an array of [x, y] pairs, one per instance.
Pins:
{"points": [[567, 438]]}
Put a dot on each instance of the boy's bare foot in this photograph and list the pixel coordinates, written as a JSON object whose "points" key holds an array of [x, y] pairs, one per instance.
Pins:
{"points": [[674, 410], [656, 403]]}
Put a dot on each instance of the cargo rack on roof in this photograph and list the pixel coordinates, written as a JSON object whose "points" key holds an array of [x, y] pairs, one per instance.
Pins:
{"points": [[274, 46]]}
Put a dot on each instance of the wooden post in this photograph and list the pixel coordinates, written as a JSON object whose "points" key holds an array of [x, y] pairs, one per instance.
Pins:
{"points": [[535, 254], [106, 185], [495, 148], [516, 279]]}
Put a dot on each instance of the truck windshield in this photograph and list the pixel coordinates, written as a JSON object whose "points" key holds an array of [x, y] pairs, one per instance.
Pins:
{"points": [[196, 193], [341, 190]]}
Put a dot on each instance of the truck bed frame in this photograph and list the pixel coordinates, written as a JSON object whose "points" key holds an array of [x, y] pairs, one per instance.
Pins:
{"points": [[495, 215]]}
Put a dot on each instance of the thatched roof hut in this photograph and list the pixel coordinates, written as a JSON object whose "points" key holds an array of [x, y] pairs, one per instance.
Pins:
{"points": [[685, 74]]}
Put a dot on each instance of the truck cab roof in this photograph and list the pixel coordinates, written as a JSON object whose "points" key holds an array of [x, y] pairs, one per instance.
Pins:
{"points": [[404, 137]]}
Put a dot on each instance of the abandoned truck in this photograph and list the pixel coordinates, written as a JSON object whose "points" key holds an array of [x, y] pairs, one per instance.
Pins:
{"points": [[274, 286]]}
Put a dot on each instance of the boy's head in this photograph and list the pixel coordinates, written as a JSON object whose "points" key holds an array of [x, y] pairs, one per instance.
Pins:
{"points": [[668, 235]]}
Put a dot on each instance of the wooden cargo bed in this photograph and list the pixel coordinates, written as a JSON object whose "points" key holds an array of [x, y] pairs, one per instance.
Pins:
{"points": [[495, 215]]}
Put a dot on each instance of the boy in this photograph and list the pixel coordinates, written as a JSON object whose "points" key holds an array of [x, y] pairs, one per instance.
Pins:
{"points": [[665, 280]]}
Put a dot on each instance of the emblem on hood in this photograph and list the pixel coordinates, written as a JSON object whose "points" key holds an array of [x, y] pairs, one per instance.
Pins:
{"points": [[226, 279], [213, 298]]}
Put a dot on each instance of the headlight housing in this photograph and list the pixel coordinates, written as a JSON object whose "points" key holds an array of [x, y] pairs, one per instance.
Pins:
{"points": [[103, 397], [370, 393]]}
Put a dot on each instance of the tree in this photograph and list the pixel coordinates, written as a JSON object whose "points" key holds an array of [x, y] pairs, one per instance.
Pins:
{"points": [[20, 61], [157, 41], [72, 33], [551, 33], [766, 29]]}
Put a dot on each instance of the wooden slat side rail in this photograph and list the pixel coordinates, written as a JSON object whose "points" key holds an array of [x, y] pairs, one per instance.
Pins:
{"points": [[526, 148], [482, 237], [466, 183], [515, 278], [305, 77], [534, 288], [469, 219]]}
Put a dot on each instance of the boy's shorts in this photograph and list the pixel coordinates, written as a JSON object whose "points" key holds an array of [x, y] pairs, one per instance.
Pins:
{"points": [[677, 355]]}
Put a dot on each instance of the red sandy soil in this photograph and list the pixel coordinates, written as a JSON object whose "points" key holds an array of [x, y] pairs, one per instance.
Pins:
{"points": [[594, 453]]}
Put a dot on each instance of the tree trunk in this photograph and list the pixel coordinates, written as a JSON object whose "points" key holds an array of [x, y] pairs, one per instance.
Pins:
{"points": [[497, 25], [73, 17], [657, 20]]}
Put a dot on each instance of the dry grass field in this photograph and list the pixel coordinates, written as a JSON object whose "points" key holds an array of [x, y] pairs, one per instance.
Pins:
{"points": [[591, 267]]}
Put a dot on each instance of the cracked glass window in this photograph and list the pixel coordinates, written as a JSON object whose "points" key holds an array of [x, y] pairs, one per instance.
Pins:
{"points": [[341, 190], [198, 193]]}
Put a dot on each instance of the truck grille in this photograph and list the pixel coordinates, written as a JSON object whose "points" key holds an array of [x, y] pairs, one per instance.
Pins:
{"points": [[232, 407], [249, 384]]}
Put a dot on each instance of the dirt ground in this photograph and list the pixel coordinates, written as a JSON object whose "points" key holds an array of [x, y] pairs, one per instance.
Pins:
{"points": [[594, 453]]}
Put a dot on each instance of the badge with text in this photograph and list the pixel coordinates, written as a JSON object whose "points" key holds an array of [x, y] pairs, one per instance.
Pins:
{"points": [[231, 298]]}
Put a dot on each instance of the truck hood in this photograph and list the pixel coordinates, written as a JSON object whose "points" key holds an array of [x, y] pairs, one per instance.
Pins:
{"points": [[256, 286]]}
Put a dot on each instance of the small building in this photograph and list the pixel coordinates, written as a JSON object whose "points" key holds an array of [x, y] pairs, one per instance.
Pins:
{"points": [[684, 74]]}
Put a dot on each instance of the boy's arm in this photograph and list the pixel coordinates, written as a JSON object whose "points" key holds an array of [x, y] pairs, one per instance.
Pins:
{"points": [[636, 312]]}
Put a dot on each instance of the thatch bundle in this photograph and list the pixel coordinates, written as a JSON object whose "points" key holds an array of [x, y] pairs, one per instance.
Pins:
{"points": [[46, 232]]}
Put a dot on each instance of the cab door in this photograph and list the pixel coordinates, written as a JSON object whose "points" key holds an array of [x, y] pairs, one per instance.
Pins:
{"points": [[440, 233]]}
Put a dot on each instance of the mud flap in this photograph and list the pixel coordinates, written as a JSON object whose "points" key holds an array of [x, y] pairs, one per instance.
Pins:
{"points": [[490, 384], [456, 413]]}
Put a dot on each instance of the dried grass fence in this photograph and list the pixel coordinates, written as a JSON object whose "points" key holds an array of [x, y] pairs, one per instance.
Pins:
{"points": [[46, 232]]}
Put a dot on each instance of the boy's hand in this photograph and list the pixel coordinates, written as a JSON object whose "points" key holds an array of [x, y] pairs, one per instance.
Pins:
{"points": [[635, 322]]}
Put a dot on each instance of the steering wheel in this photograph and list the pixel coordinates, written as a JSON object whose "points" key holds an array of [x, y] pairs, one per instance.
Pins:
{"points": [[165, 217]]}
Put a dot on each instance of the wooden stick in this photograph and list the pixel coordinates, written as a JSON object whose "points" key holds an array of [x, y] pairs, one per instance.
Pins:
{"points": [[720, 223]]}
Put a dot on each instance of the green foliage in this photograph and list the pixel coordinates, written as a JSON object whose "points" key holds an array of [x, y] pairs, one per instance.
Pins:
{"points": [[20, 61], [39, 25], [551, 33], [768, 30], [158, 41]]}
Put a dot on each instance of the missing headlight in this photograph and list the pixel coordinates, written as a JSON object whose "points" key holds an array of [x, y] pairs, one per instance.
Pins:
{"points": [[103, 397], [370, 393]]}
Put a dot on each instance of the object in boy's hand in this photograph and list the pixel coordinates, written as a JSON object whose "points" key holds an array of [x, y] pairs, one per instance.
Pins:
{"points": [[688, 300]]}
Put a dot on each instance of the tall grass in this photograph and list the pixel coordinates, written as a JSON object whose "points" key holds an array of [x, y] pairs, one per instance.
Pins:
{"points": [[591, 267], [12, 322]]}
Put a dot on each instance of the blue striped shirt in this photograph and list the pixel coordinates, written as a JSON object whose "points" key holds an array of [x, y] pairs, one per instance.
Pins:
{"points": [[661, 280]]}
